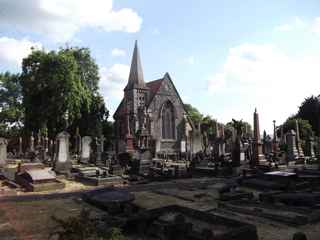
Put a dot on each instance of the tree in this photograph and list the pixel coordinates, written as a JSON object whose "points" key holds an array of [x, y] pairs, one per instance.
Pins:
{"points": [[11, 108], [305, 129], [310, 110], [240, 125], [193, 113], [60, 83]]}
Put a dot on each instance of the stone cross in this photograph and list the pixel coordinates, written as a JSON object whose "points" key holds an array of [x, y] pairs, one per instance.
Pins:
{"points": [[3, 151], [62, 158]]}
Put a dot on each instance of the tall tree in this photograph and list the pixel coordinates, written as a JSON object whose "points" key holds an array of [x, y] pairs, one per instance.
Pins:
{"points": [[60, 83], [193, 113], [11, 109], [310, 110]]}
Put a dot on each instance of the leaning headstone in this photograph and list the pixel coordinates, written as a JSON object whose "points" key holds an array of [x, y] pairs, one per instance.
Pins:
{"points": [[62, 157], [86, 149], [3, 151]]}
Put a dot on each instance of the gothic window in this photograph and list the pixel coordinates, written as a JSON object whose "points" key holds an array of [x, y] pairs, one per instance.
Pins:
{"points": [[168, 121]]}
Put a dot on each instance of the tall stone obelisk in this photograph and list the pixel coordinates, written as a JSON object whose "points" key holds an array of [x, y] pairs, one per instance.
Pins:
{"points": [[258, 157], [299, 147]]}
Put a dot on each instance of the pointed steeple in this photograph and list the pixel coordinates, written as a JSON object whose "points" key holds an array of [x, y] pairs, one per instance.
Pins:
{"points": [[136, 79]]}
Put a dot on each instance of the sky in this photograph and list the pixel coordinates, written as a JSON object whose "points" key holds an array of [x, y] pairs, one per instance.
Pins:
{"points": [[226, 58]]}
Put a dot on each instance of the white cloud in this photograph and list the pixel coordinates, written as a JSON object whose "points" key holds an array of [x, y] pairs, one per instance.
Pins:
{"points": [[297, 23], [315, 27], [61, 19], [116, 52], [113, 81], [265, 77], [284, 28], [12, 51], [190, 60]]}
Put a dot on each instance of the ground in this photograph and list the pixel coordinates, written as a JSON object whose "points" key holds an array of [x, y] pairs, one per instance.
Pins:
{"points": [[29, 217]]}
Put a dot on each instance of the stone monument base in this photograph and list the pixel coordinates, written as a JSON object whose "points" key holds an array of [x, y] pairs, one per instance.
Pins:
{"points": [[63, 167]]}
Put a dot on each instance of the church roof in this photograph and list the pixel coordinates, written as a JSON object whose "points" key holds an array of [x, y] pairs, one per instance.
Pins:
{"points": [[136, 79], [153, 87]]}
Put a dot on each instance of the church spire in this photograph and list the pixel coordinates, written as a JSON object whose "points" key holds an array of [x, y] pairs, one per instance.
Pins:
{"points": [[136, 79]]}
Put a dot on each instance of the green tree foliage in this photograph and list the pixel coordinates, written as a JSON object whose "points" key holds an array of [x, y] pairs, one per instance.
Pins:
{"points": [[208, 126], [240, 125], [305, 128], [59, 82], [310, 110], [11, 108], [193, 113]]}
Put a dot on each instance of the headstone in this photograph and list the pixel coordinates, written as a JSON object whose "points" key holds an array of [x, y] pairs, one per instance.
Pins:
{"points": [[85, 149], [183, 146], [62, 158], [310, 148], [39, 139], [292, 149], [3, 151], [100, 150]]}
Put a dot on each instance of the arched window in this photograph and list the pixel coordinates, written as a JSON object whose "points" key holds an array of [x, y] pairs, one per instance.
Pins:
{"points": [[168, 123]]}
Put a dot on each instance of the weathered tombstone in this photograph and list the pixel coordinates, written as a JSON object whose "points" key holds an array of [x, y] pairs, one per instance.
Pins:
{"points": [[3, 151], [62, 158], [310, 148], [292, 150], [100, 150], [86, 149]]}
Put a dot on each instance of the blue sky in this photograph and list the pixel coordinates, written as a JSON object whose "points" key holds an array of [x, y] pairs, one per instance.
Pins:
{"points": [[225, 57]]}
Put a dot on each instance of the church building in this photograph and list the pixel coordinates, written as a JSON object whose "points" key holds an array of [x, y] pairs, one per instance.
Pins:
{"points": [[151, 116]]}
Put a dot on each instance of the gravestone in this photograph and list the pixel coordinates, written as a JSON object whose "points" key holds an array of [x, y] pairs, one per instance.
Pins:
{"points": [[100, 150], [310, 148], [86, 149], [3, 151], [62, 158], [292, 149]]}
